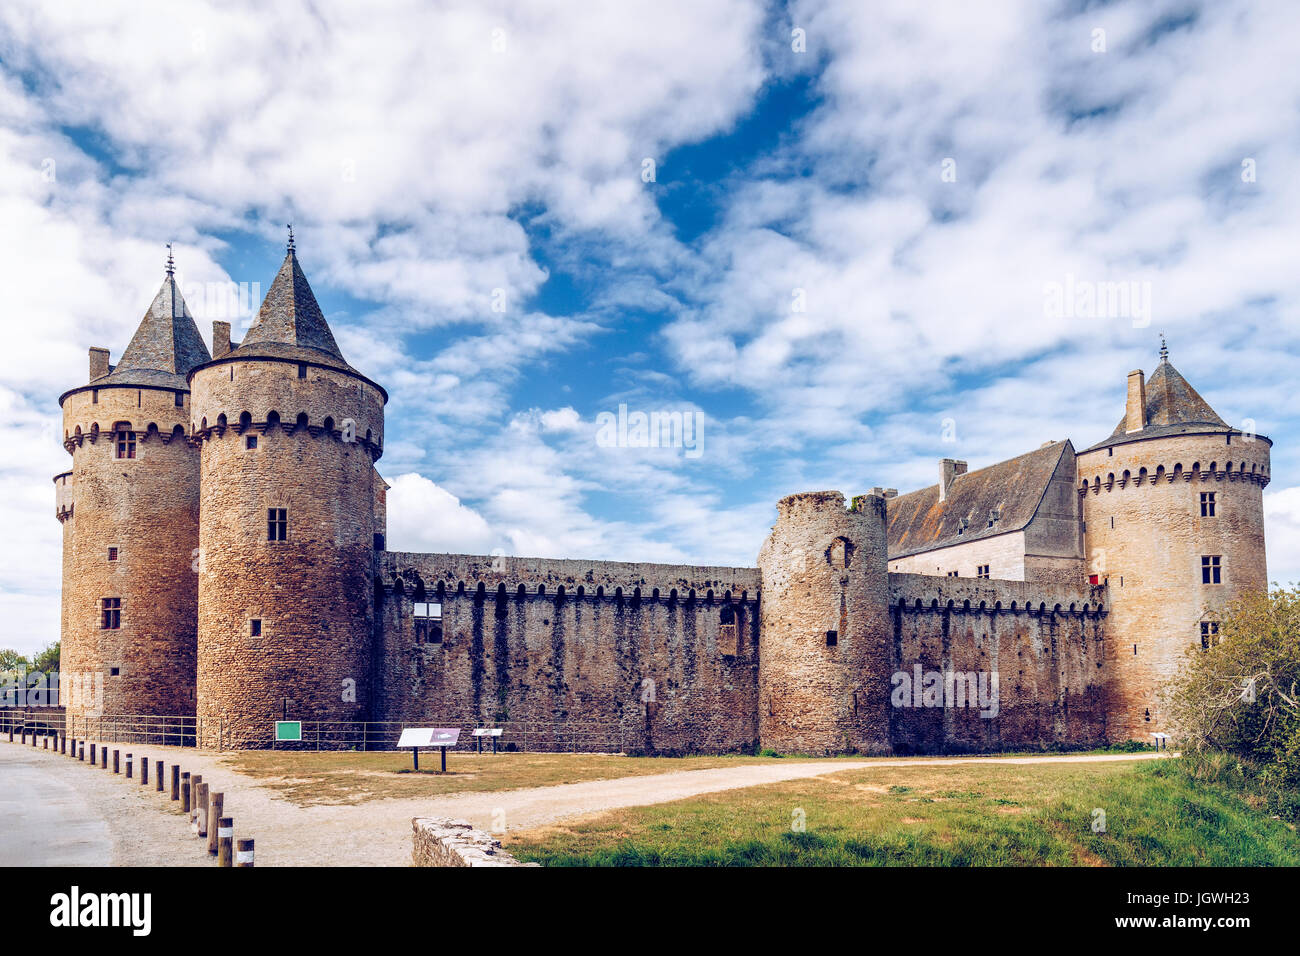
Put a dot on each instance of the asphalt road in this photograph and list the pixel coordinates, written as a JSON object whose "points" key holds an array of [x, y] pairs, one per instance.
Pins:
{"points": [[44, 819]]}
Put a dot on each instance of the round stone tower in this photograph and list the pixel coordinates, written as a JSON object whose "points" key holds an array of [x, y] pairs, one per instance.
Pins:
{"points": [[824, 638], [289, 527], [130, 514], [1174, 522]]}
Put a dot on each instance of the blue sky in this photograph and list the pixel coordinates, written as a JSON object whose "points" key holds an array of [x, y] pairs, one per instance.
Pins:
{"points": [[840, 261]]}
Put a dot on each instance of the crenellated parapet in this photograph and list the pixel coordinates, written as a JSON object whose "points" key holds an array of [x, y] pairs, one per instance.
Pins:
{"points": [[405, 573], [921, 593]]}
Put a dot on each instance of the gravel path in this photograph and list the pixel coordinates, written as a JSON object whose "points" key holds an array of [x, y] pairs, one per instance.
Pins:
{"points": [[145, 830]]}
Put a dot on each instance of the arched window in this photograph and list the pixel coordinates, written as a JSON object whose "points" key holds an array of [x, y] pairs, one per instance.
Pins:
{"points": [[840, 554], [245, 419], [272, 419], [329, 426], [302, 420]]}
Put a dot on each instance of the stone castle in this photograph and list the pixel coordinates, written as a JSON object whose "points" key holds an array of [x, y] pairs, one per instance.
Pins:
{"points": [[224, 557]]}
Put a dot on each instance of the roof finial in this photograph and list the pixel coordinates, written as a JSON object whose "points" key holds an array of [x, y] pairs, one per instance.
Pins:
{"points": [[1164, 349], [291, 238], [171, 263]]}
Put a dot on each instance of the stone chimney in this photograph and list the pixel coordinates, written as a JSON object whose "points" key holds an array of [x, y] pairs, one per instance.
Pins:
{"points": [[1137, 402], [949, 468], [220, 339], [884, 492], [99, 366]]}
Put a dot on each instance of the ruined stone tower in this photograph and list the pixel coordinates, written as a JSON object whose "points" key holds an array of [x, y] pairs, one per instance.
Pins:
{"points": [[824, 647], [1174, 522], [289, 521], [130, 514]]}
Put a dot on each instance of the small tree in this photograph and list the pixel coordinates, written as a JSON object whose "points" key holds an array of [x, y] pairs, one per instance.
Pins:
{"points": [[1242, 695], [47, 661]]}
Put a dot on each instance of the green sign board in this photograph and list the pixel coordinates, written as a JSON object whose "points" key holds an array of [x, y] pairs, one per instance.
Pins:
{"points": [[288, 730]]}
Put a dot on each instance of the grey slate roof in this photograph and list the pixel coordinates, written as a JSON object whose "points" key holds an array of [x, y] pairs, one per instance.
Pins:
{"points": [[1173, 408], [290, 324], [166, 345], [919, 521]]}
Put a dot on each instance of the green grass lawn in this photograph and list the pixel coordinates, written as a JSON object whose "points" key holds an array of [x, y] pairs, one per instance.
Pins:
{"points": [[1156, 814], [346, 777]]}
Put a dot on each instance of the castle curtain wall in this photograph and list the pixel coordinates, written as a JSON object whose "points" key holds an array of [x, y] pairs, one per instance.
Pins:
{"points": [[1045, 643], [652, 674]]}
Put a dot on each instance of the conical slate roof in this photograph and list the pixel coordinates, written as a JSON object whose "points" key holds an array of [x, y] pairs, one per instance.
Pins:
{"points": [[166, 345], [290, 323], [1173, 407]]}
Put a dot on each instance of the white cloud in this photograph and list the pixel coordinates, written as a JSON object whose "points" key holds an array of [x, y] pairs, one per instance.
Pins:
{"points": [[424, 517]]}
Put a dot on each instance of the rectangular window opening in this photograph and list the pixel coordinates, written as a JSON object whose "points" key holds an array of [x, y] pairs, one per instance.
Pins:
{"points": [[277, 524], [255, 628], [110, 614], [250, 442], [112, 554], [832, 638], [1211, 569], [126, 444], [1207, 504]]}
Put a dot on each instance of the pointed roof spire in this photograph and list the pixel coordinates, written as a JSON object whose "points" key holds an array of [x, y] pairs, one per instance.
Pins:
{"points": [[166, 344], [290, 323], [1173, 407]]}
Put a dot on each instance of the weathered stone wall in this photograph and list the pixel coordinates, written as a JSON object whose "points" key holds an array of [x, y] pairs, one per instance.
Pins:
{"points": [[312, 593], [1045, 643], [1146, 536], [438, 841], [634, 647], [825, 626], [147, 508]]}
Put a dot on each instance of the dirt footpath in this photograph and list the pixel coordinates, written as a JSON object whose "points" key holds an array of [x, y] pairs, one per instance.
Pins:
{"points": [[145, 830]]}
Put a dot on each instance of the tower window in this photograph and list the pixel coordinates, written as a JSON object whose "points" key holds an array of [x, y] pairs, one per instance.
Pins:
{"points": [[110, 614], [277, 524], [1207, 504], [1211, 572], [1209, 634], [126, 444], [180, 399], [982, 571], [250, 442], [94, 396], [255, 627], [952, 574], [302, 370], [832, 638], [112, 554], [114, 671]]}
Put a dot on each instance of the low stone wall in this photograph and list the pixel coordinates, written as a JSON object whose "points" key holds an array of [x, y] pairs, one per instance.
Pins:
{"points": [[438, 841]]}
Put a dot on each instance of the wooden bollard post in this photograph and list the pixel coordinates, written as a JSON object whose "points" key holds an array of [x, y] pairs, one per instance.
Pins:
{"points": [[129, 761], [216, 804], [200, 825], [103, 757], [33, 738], [244, 855], [116, 767], [195, 780], [144, 771], [45, 742], [65, 745], [158, 776], [176, 781], [80, 746], [225, 837], [93, 758], [185, 794]]}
